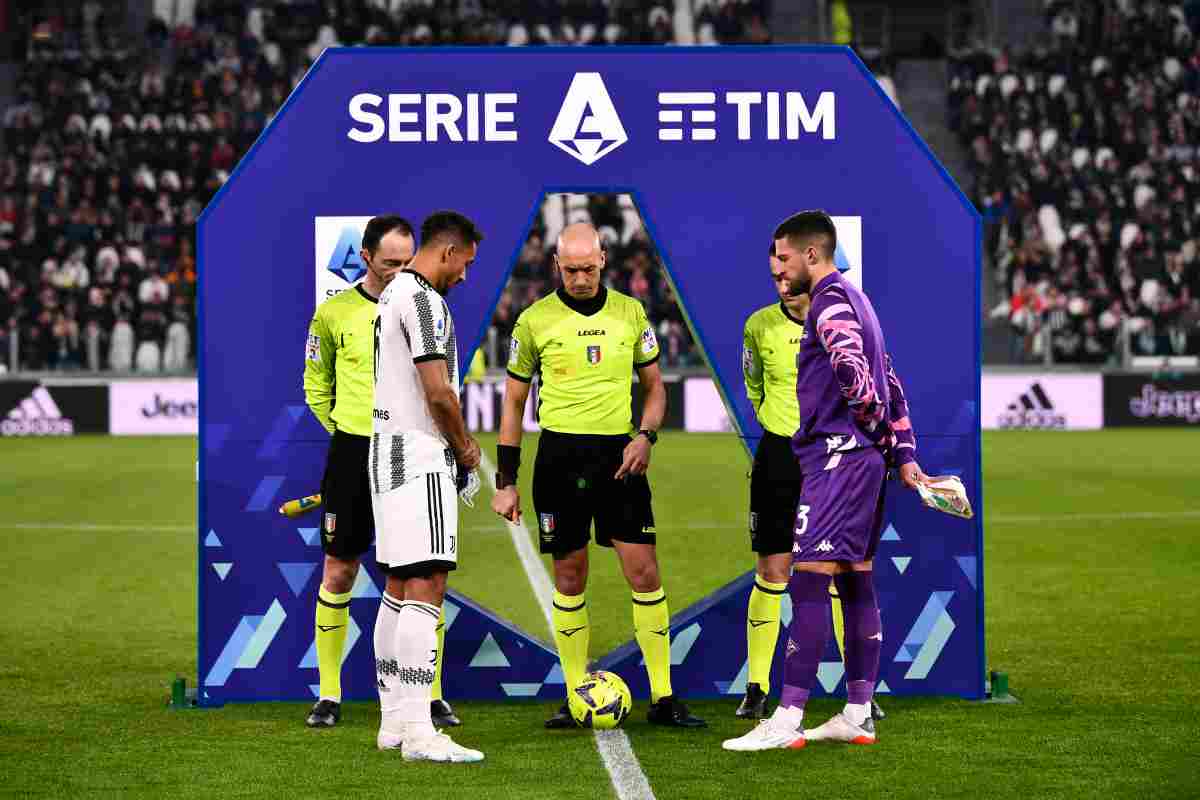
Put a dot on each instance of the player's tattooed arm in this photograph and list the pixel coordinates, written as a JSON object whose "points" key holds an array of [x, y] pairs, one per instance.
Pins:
{"points": [[841, 335], [442, 400]]}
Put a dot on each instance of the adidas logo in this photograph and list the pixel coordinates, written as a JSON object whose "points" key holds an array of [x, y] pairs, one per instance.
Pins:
{"points": [[587, 127], [1033, 409], [37, 415]]}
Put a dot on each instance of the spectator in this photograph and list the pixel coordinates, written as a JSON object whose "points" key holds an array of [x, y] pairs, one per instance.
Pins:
{"points": [[1087, 170]]}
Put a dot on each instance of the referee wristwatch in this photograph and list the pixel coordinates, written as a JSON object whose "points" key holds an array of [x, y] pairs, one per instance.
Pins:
{"points": [[651, 436]]}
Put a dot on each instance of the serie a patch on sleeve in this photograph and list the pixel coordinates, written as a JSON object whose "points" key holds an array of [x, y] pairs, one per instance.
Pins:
{"points": [[312, 350], [514, 351]]}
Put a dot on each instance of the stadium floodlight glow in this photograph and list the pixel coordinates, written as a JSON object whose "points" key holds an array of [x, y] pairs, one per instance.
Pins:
{"points": [[716, 146]]}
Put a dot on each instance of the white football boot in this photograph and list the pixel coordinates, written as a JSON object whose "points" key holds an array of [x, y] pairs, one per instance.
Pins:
{"points": [[772, 733], [840, 729], [441, 748]]}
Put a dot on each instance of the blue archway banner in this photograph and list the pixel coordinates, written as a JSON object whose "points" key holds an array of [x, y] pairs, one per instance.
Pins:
{"points": [[717, 145]]}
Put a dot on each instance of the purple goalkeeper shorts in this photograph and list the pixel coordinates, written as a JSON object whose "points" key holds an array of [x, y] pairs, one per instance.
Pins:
{"points": [[840, 515]]}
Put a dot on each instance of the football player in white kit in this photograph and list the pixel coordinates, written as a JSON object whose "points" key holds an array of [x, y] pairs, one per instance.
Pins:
{"points": [[419, 445]]}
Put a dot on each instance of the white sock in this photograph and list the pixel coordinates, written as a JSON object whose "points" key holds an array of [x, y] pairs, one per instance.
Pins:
{"points": [[410, 676], [385, 653], [791, 717], [857, 712]]}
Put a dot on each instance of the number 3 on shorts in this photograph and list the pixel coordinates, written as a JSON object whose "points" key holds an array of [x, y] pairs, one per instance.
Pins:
{"points": [[802, 519]]}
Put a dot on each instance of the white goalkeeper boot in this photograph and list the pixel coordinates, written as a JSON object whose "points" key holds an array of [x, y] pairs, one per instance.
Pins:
{"points": [[439, 747], [840, 729], [774, 733]]}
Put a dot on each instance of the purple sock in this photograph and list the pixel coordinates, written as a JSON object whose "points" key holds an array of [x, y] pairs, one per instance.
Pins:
{"points": [[864, 633], [807, 635]]}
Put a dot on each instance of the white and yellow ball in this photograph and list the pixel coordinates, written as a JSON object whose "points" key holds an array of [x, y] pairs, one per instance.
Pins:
{"points": [[601, 700]]}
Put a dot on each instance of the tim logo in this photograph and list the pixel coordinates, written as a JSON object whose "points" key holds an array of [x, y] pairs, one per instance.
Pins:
{"points": [[587, 127], [345, 260]]}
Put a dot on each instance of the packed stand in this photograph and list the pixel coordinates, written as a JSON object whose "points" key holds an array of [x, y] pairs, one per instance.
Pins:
{"points": [[111, 153], [1087, 172], [632, 267]]}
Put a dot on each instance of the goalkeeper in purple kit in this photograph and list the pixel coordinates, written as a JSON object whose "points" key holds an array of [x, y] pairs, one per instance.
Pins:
{"points": [[854, 423]]}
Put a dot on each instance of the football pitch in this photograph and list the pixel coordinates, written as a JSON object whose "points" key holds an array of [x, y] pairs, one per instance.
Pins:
{"points": [[1092, 550]]}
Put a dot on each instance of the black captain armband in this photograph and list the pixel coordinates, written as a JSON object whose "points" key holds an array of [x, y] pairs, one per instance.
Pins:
{"points": [[508, 461]]}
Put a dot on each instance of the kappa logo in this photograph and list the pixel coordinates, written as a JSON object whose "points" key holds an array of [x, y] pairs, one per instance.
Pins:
{"points": [[824, 547], [587, 127]]}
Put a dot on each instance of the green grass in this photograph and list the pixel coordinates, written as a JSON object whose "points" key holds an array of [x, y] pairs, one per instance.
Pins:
{"points": [[1095, 618]]}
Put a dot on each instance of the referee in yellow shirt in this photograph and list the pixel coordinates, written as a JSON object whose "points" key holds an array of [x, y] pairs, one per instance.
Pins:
{"points": [[585, 341], [339, 387], [770, 344]]}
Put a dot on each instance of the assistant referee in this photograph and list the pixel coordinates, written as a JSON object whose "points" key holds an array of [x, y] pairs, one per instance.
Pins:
{"points": [[339, 387], [585, 341]]}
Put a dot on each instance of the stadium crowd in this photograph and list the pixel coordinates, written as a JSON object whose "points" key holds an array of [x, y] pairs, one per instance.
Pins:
{"points": [[111, 151], [1087, 166]]}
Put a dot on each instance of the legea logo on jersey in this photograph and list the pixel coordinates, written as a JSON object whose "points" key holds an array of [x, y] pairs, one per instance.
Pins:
{"points": [[337, 263], [587, 127]]}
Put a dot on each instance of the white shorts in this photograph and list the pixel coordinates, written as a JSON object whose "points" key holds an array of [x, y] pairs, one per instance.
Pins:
{"points": [[416, 526]]}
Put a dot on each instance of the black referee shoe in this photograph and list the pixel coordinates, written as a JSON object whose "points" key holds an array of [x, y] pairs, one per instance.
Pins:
{"points": [[877, 712], [561, 719], [324, 714], [754, 704], [443, 715], [670, 712]]}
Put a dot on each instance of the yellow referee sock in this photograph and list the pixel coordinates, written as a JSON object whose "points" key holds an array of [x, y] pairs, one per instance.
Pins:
{"points": [[333, 614], [762, 630], [571, 635], [652, 629], [437, 668], [839, 627]]}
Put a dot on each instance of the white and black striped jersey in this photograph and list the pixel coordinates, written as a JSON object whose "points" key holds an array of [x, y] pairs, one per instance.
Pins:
{"points": [[413, 326]]}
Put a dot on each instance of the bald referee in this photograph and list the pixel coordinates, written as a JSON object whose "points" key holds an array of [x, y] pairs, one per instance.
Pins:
{"points": [[339, 387], [585, 341]]}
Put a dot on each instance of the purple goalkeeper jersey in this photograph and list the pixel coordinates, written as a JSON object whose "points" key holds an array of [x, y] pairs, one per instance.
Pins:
{"points": [[850, 397]]}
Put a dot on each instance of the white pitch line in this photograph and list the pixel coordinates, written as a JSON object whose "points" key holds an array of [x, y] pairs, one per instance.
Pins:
{"points": [[628, 780]]}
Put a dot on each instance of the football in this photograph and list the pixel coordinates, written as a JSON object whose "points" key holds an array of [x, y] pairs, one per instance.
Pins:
{"points": [[601, 700]]}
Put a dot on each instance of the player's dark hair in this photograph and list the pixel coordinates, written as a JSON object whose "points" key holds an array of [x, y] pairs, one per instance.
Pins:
{"points": [[806, 225], [381, 226], [771, 252], [451, 227]]}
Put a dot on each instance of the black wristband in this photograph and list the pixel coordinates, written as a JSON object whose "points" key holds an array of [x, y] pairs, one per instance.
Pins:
{"points": [[508, 461]]}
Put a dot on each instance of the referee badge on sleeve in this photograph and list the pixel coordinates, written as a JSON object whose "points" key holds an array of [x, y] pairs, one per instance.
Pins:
{"points": [[330, 522], [312, 350], [546, 523]]}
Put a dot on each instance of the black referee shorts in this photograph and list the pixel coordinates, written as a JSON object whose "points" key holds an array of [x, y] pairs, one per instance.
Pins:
{"points": [[347, 521], [573, 485], [775, 483]]}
